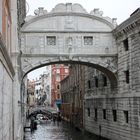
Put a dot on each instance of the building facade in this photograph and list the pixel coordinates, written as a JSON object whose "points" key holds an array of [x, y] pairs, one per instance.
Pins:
{"points": [[47, 85], [31, 99], [11, 122], [116, 115], [59, 72], [43, 87], [72, 92]]}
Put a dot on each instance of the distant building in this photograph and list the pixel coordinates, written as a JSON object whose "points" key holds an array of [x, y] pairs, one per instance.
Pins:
{"points": [[31, 93], [72, 91], [59, 72], [43, 87], [38, 90], [47, 85]]}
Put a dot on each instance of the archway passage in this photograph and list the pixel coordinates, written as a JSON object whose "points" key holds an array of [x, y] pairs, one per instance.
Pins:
{"points": [[108, 70]]}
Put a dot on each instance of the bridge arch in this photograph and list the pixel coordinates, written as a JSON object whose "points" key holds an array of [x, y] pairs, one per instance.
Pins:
{"points": [[106, 67]]}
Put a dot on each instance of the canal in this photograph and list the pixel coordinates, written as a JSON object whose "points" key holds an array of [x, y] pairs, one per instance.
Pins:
{"points": [[55, 131]]}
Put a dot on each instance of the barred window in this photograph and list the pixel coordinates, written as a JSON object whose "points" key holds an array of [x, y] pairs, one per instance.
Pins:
{"points": [[126, 116], [114, 112], [95, 114], [127, 76], [51, 40], [126, 44], [88, 40], [104, 114], [88, 111]]}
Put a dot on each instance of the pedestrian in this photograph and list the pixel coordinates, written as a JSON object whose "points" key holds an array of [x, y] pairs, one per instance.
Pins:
{"points": [[54, 118], [32, 124]]}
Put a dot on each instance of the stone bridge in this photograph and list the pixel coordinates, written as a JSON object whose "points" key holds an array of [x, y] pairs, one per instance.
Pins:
{"points": [[69, 34], [42, 110]]}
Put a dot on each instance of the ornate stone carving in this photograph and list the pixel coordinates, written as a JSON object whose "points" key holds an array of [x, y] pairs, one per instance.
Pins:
{"points": [[69, 41], [40, 11]]}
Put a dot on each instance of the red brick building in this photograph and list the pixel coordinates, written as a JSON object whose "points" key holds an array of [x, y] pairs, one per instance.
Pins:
{"points": [[59, 72]]}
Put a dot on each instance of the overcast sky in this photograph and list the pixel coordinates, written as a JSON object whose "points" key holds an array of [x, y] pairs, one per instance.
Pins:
{"points": [[120, 9]]}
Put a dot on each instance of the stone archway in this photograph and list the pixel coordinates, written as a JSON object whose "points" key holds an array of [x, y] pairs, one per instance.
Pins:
{"points": [[109, 70]]}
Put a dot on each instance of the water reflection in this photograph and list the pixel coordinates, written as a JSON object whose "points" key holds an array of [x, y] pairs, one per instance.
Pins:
{"points": [[57, 131]]}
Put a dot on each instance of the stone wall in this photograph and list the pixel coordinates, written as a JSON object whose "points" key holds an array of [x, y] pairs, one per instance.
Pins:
{"points": [[6, 95], [6, 107], [117, 115], [72, 92], [123, 128]]}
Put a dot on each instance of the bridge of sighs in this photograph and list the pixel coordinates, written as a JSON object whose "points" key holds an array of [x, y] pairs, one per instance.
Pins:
{"points": [[69, 34]]}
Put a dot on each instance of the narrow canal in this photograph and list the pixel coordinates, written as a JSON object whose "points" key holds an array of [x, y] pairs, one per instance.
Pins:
{"points": [[55, 131]]}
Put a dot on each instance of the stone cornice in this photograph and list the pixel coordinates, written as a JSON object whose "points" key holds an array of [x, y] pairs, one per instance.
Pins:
{"points": [[55, 31], [128, 25], [6, 56], [102, 19]]}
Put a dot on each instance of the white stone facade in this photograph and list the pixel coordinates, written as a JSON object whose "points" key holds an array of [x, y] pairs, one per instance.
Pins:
{"points": [[11, 123], [6, 104]]}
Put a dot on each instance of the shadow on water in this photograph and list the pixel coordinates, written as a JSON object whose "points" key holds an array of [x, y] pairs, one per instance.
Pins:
{"points": [[59, 131]]}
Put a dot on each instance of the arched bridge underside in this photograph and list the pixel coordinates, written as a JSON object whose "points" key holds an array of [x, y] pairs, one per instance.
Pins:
{"points": [[41, 110], [44, 112], [68, 34]]}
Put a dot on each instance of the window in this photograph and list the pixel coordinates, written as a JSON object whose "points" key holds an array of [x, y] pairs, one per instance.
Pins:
{"points": [[95, 115], [114, 115], [104, 114], [66, 70], [125, 44], [51, 40], [37, 91], [89, 84], [88, 112], [96, 81], [126, 116], [58, 87], [127, 76], [57, 70], [104, 80], [58, 77], [88, 40]]}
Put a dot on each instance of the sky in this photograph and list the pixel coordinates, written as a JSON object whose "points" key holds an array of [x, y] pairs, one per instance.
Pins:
{"points": [[120, 9], [36, 73]]}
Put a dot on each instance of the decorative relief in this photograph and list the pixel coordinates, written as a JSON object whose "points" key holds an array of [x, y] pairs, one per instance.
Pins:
{"points": [[79, 41], [23, 43], [26, 62], [41, 41], [111, 64], [69, 24], [69, 41]]}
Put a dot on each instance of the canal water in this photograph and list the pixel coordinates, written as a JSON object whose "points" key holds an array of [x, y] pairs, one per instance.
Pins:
{"points": [[58, 131]]}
